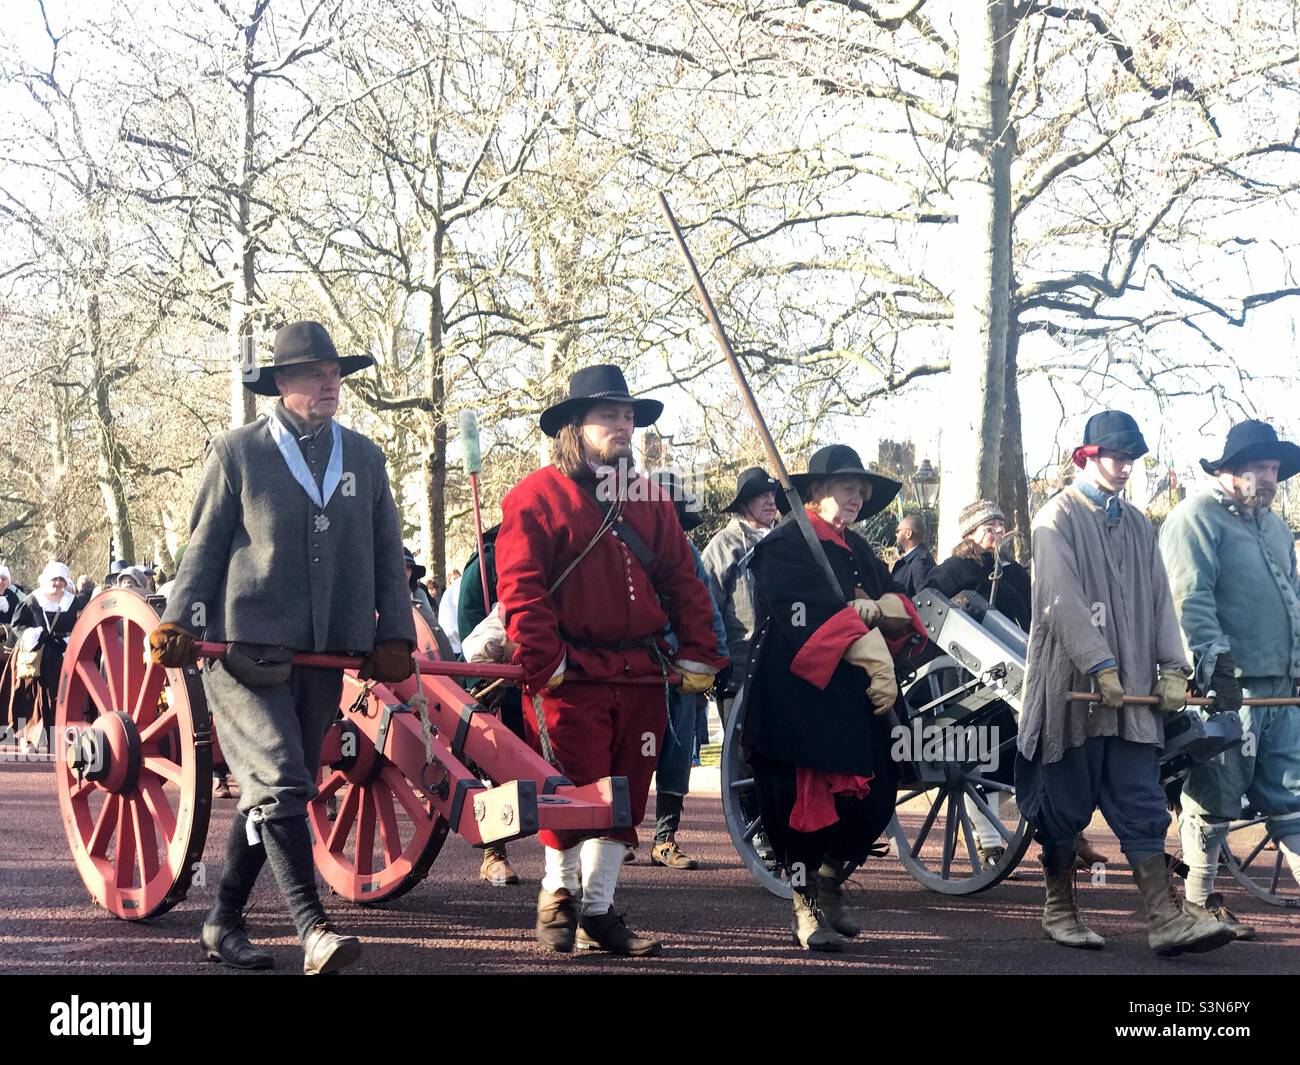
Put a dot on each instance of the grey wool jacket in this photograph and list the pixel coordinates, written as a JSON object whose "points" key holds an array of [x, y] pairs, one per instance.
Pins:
{"points": [[1235, 588], [726, 564], [1099, 592], [258, 570]]}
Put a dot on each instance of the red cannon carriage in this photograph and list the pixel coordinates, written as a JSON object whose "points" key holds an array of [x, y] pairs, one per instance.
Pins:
{"points": [[402, 766]]}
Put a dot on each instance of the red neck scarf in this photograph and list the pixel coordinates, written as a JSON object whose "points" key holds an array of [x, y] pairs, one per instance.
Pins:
{"points": [[825, 530]]}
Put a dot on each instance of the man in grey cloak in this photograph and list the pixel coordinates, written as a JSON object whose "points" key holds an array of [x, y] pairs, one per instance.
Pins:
{"points": [[1102, 613]]}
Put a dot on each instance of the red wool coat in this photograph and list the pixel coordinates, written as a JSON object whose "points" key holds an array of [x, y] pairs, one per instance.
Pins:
{"points": [[547, 519]]}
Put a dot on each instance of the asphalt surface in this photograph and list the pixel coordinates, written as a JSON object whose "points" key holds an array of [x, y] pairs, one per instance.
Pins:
{"points": [[714, 920]]}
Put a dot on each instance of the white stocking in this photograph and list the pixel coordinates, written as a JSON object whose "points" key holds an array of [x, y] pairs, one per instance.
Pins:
{"points": [[601, 861], [561, 870]]}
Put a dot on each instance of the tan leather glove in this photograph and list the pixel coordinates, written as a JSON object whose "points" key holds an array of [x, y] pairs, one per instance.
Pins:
{"points": [[1171, 686], [868, 610], [172, 645], [871, 653], [894, 617], [1112, 691], [694, 683], [388, 663]]}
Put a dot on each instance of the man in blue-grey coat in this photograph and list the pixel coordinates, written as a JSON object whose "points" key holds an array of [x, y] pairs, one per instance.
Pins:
{"points": [[1232, 568], [295, 545]]}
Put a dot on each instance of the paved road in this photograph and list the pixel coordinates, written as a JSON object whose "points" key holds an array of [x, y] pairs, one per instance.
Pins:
{"points": [[715, 920]]}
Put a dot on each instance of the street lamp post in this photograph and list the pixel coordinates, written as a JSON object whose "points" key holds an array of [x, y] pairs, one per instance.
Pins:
{"points": [[925, 484]]}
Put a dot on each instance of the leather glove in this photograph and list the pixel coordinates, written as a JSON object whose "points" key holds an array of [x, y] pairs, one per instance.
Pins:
{"points": [[694, 683], [894, 618], [1224, 685], [722, 683], [388, 663], [871, 653], [1112, 691], [868, 610], [172, 645], [1171, 686]]}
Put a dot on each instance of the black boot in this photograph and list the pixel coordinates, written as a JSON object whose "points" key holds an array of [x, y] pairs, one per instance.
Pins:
{"points": [[224, 936], [288, 848]]}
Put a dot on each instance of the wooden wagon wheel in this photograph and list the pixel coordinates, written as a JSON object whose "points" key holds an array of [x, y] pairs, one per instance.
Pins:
{"points": [[1256, 861], [740, 805], [134, 765], [937, 839], [378, 837]]}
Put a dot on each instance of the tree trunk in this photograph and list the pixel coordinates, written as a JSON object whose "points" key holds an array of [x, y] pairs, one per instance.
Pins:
{"points": [[982, 192], [1013, 487]]}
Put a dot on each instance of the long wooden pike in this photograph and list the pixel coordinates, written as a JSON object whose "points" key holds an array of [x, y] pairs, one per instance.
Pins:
{"points": [[751, 404]]}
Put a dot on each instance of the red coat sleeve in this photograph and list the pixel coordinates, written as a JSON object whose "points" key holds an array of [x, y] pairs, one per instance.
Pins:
{"points": [[525, 548]]}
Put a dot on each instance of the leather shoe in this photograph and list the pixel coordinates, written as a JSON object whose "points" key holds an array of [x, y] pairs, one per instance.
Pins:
{"points": [[557, 919], [324, 951], [230, 945], [608, 931]]}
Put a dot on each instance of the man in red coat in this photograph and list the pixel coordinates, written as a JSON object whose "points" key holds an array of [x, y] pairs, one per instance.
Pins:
{"points": [[586, 553]]}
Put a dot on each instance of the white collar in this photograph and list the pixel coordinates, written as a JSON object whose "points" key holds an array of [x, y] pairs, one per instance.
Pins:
{"points": [[49, 605]]}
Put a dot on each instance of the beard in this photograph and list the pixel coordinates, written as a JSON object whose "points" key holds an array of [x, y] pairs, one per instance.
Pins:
{"points": [[1259, 498], [615, 454]]}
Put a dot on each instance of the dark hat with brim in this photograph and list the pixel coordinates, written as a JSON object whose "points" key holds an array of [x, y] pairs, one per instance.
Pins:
{"points": [[299, 344], [1110, 430], [752, 482], [1255, 441], [602, 383], [840, 460], [417, 571], [686, 505], [115, 570]]}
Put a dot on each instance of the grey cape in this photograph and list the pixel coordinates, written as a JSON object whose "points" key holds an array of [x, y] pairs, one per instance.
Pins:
{"points": [[257, 570], [1099, 592]]}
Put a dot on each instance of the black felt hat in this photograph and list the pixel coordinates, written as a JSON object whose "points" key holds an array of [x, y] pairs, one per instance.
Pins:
{"points": [[1255, 441], [297, 344], [596, 384], [751, 482], [686, 505], [417, 571], [1112, 430], [840, 460]]}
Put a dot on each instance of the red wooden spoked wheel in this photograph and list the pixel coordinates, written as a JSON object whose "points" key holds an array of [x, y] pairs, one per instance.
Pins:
{"points": [[431, 640], [375, 835], [134, 772]]}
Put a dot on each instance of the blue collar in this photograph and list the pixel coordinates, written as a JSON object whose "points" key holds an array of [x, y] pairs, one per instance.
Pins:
{"points": [[1109, 502]]}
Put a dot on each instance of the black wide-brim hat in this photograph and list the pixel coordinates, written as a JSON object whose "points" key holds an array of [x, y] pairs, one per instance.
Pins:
{"points": [[752, 482], [115, 570], [840, 460], [417, 571], [686, 505], [602, 383], [1255, 441], [1112, 430], [297, 344]]}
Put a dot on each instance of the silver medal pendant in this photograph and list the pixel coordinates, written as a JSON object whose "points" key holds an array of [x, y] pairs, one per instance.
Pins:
{"points": [[322, 523]]}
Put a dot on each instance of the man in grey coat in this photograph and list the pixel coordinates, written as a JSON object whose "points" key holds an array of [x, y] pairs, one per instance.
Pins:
{"points": [[726, 563], [1102, 614], [1232, 566], [295, 545]]}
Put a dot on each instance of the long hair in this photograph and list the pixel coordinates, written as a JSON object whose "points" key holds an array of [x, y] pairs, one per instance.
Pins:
{"points": [[568, 453]]}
